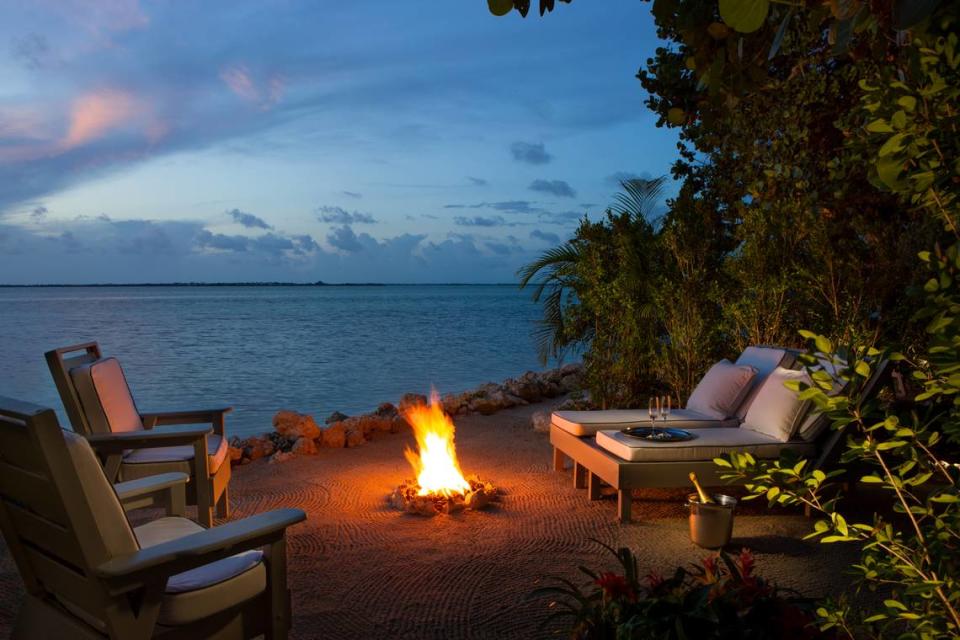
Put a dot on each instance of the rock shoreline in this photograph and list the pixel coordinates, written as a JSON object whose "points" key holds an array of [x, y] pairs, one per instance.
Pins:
{"points": [[297, 433]]}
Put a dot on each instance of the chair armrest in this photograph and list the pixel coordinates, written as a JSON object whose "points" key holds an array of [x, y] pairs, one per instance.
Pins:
{"points": [[149, 485], [198, 416], [203, 547], [107, 443]]}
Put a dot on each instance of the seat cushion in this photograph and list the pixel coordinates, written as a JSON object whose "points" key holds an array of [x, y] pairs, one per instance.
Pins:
{"points": [[216, 447], [706, 445], [777, 411], [588, 423], [105, 397], [209, 589], [815, 421], [764, 360], [720, 392]]}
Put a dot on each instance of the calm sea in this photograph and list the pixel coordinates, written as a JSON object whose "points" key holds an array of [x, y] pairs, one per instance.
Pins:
{"points": [[260, 349]]}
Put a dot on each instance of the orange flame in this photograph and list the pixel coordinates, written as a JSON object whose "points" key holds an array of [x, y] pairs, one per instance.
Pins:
{"points": [[435, 462]]}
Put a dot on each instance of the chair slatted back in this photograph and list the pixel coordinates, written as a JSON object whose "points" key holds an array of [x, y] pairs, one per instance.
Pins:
{"points": [[44, 515], [828, 444], [61, 361]]}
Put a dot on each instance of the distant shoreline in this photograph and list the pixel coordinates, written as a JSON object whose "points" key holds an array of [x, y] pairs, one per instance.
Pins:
{"points": [[319, 283]]}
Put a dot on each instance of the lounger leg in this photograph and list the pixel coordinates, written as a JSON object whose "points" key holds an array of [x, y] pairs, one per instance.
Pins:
{"points": [[280, 613], [624, 500], [593, 486], [558, 459], [579, 476]]}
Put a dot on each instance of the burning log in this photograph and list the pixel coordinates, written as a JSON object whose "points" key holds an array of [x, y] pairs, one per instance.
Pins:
{"points": [[408, 498]]}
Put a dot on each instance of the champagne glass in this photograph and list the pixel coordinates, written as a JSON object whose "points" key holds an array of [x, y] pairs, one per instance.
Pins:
{"points": [[665, 410], [654, 412]]}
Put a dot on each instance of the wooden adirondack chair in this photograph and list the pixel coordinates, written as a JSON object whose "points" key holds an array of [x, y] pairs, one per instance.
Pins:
{"points": [[100, 406], [89, 574]]}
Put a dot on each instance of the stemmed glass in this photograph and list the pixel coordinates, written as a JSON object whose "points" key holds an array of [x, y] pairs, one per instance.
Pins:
{"points": [[654, 411], [665, 410]]}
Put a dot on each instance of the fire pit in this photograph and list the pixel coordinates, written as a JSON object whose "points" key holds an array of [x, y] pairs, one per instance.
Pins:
{"points": [[440, 486]]}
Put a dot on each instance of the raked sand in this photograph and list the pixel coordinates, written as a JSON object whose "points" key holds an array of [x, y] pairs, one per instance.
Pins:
{"points": [[361, 570]]}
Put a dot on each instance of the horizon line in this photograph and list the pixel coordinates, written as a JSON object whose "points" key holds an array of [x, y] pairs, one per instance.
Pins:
{"points": [[318, 283]]}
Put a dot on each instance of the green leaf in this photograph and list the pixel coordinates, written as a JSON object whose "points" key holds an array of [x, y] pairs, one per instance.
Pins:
{"points": [[894, 604], [746, 16], [907, 102], [500, 7], [879, 126], [676, 116], [894, 144]]}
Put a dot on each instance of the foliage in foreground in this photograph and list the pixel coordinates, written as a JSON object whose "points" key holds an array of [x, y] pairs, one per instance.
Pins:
{"points": [[721, 597]]}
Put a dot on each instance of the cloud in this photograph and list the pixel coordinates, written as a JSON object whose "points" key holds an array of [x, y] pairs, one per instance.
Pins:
{"points": [[339, 215], [618, 177], [39, 212], [352, 194], [505, 206], [478, 182], [94, 114], [500, 248], [479, 221], [264, 95], [248, 220], [530, 153], [221, 242], [546, 236], [558, 188], [344, 239], [32, 50], [303, 244]]}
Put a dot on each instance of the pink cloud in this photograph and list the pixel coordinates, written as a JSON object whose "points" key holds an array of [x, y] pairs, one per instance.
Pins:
{"points": [[102, 15], [242, 83], [94, 114]]}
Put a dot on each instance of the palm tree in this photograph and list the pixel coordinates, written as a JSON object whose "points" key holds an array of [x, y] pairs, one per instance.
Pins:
{"points": [[557, 271], [554, 274]]}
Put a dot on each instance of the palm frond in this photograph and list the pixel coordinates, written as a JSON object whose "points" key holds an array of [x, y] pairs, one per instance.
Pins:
{"points": [[639, 197]]}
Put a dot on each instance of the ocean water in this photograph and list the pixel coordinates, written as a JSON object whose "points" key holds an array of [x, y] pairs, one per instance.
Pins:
{"points": [[260, 349]]}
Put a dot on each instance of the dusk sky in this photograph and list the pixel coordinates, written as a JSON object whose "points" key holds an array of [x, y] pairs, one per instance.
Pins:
{"points": [[411, 141]]}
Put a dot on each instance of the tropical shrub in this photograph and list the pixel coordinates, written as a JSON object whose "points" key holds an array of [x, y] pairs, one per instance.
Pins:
{"points": [[722, 597]]}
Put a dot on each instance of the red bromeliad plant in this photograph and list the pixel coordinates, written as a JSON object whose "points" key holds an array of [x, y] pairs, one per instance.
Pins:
{"points": [[722, 597]]}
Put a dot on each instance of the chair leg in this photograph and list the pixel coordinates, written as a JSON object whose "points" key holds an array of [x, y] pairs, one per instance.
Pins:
{"points": [[280, 613], [579, 476], [593, 485], [205, 502], [624, 503], [558, 459], [176, 501], [223, 504]]}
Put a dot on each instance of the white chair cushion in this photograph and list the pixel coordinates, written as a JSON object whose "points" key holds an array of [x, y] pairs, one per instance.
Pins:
{"points": [[588, 423], [109, 517], [777, 411], [764, 360], [216, 449], [105, 397], [206, 590], [706, 445], [721, 391]]}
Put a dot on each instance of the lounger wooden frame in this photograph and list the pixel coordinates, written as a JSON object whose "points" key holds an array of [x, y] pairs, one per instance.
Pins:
{"points": [[49, 528], [594, 466], [209, 489]]}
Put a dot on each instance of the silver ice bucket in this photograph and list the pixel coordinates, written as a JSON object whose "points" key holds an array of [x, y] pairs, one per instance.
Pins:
{"points": [[711, 525]]}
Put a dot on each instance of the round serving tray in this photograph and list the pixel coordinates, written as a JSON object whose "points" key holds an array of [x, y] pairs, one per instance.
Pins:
{"points": [[659, 434]]}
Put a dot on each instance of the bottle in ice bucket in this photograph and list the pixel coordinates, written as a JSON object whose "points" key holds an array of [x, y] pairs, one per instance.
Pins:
{"points": [[704, 498]]}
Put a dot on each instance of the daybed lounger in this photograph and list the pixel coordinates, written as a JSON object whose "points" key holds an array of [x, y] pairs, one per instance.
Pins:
{"points": [[566, 427], [89, 574], [98, 401], [627, 463]]}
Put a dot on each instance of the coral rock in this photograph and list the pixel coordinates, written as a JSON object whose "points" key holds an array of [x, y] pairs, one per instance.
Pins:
{"points": [[295, 425], [334, 436], [258, 447], [236, 454], [412, 399], [281, 456], [304, 447], [336, 416], [354, 438], [541, 422]]}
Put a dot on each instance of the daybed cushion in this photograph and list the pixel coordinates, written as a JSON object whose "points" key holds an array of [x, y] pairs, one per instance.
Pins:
{"points": [[764, 360], [105, 396], [815, 421], [777, 411], [209, 589], [588, 423], [721, 390], [707, 445]]}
